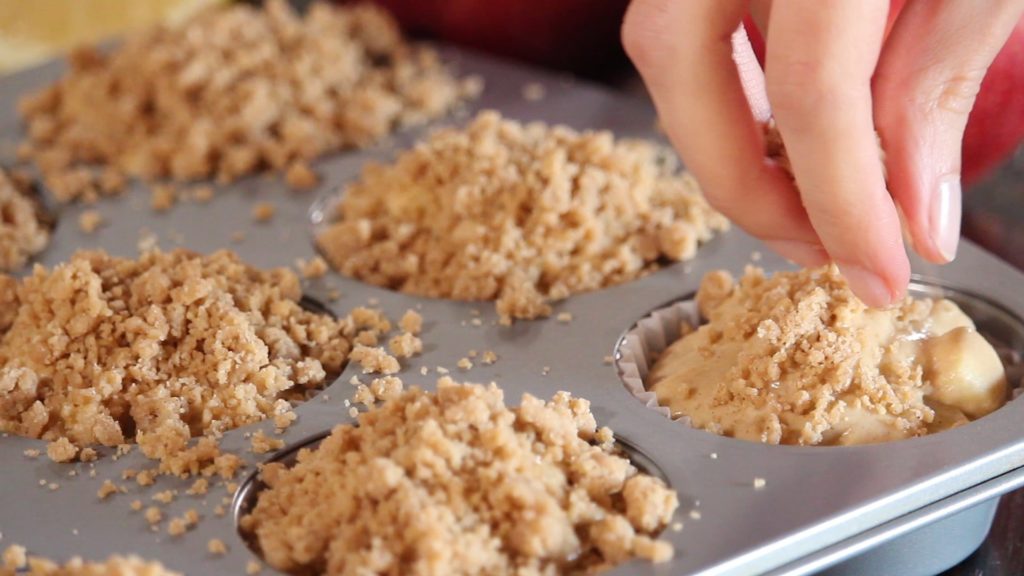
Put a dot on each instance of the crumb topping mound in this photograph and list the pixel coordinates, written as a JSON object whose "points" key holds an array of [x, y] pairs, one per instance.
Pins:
{"points": [[230, 91], [16, 561], [455, 482], [797, 359], [519, 213], [22, 234], [104, 350]]}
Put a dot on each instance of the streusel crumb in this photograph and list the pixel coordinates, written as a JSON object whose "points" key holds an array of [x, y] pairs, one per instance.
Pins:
{"points": [[232, 91], [522, 214], [16, 558], [455, 482], [22, 232], [90, 221]]}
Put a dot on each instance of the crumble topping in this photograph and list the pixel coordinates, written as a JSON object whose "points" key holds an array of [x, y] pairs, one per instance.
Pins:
{"points": [[522, 214], [454, 482]]}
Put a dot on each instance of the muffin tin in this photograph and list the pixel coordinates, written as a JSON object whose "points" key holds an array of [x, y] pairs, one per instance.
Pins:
{"points": [[853, 508]]}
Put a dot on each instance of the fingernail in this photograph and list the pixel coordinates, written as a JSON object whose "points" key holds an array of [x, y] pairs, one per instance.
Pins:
{"points": [[803, 253], [944, 217], [867, 285]]}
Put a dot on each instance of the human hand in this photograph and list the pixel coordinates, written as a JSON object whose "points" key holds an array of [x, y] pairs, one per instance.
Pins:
{"points": [[833, 77]]}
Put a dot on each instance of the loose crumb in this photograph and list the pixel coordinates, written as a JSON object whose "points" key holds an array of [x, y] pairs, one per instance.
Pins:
{"points": [[502, 201], [316, 267], [61, 449], [263, 211], [153, 515], [163, 197], [405, 345], [31, 453], [216, 547], [481, 502], [411, 322], [136, 505], [262, 444], [533, 92], [253, 567], [89, 221], [374, 360], [202, 194], [300, 176], [232, 91], [106, 490], [199, 487], [564, 317], [489, 357], [23, 234], [759, 483], [17, 558], [164, 497], [465, 363]]}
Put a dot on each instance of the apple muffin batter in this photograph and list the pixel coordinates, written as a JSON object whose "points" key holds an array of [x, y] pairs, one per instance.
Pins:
{"points": [[520, 214], [230, 91], [22, 233], [105, 350], [797, 359], [454, 482]]}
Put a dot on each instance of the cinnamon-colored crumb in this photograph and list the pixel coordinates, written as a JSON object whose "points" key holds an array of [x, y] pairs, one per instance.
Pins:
{"points": [[405, 345], [522, 214], [509, 490], [313, 268], [300, 176], [16, 558], [374, 360], [61, 450], [163, 197], [261, 443], [232, 91], [89, 221], [106, 490], [22, 233], [263, 211], [217, 547], [411, 322]]}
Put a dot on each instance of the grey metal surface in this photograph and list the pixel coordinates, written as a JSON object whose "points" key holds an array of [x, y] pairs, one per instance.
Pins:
{"points": [[814, 497]]}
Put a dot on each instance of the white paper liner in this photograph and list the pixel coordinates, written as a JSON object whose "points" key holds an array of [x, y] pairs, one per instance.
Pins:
{"points": [[642, 345], [640, 348]]}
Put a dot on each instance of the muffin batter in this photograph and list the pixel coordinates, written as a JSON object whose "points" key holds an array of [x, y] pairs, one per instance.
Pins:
{"points": [[798, 359]]}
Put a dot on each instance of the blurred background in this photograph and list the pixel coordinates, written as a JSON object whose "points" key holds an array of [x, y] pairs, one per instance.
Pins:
{"points": [[581, 37]]}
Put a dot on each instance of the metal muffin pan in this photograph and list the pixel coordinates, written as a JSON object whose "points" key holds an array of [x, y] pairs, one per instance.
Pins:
{"points": [[819, 504]]}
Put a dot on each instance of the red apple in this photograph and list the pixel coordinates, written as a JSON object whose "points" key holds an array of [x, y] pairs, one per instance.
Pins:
{"points": [[996, 125], [577, 35]]}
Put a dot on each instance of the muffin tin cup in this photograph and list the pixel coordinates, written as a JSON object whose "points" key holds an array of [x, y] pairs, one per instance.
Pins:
{"points": [[927, 550], [819, 504]]}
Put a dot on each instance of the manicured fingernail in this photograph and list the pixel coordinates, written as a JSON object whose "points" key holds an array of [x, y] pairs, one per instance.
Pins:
{"points": [[944, 217], [803, 253], [867, 285]]}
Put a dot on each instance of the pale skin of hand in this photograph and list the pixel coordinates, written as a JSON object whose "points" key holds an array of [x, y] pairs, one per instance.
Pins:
{"points": [[832, 79]]}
